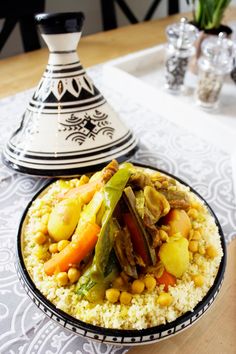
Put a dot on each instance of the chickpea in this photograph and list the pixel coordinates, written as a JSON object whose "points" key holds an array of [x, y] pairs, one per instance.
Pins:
{"points": [[62, 244], [163, 235], [172, 188], [196, 236], [157, 184], [137, 286], [150, 282], [201, 250], [112, 295], [62, 279], [166, 228], [211, 251], [193, 213], [165, 299], [165, 184], [198, 280], [53, 248], [46, 209], [193, 246], [118, 283], [73, 275], [196, 205], [40, 238], [125, 298]]}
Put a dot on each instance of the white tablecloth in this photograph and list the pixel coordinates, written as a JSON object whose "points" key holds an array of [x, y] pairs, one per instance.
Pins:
{"points": [[24, 329]]}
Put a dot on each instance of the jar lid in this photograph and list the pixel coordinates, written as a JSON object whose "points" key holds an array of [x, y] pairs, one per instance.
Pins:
{"points": [[182, 35], [219, 52]]}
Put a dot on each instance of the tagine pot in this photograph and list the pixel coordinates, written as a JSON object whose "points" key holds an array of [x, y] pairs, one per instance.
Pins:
{"points": [[68, 127]]}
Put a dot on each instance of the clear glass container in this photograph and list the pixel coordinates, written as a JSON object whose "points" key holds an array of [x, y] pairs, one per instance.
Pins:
{"points": [[216, 61], [181, 37]]}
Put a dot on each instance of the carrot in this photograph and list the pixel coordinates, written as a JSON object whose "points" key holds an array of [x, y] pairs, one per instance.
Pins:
{"points": [[75, 251], [167, 279], [85, 192]]}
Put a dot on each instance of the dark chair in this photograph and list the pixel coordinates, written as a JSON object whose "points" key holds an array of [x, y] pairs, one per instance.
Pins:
{"points": [[22, 11], [109, 13]]}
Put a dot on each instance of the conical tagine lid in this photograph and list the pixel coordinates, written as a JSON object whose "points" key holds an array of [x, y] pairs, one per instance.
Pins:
{"points": [[68, 127]]}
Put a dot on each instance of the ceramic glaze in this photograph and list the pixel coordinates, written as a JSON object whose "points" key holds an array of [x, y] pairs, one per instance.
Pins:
{"points": [[68, 126]]}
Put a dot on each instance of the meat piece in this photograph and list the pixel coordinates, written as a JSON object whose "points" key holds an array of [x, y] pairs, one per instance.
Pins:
{"points": [[140, 180], [156, 238], [120, 245], [128, 247], [159, 177], [110, 170], [180, 204], [153, 232], [176, 199]]}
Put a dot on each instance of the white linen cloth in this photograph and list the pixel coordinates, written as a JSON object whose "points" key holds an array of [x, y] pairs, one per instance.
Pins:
{"points": [[24, 328]]}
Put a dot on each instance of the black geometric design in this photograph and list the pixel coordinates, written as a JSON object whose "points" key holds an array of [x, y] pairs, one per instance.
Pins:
{"points": [[88, 127], [65, 89]]}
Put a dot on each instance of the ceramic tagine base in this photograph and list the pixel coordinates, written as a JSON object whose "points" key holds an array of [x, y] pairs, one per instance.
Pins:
{"points": [[68, 127]]}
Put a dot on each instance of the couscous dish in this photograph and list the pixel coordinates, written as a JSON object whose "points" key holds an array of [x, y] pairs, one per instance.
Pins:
{"points": [[125, 248]]}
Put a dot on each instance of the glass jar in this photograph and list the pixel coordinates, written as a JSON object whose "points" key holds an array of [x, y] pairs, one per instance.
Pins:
{"points": [[216, 61], [181, 37]]}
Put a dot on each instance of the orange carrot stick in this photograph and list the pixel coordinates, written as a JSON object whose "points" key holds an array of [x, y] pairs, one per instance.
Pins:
{"points": [[167, 279], [85, 192], [75, 251]]}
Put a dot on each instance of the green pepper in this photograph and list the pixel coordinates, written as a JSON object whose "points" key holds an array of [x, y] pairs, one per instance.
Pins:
{"points": [[95, 291], [112, 192]]}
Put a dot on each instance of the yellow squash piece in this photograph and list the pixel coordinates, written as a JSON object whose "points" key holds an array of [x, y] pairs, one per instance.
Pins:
{"points": [[175, 256], [63, 219], [90, 211]]}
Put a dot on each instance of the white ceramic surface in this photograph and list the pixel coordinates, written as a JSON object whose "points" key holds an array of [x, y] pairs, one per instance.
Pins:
{"points": [[68, 126]]}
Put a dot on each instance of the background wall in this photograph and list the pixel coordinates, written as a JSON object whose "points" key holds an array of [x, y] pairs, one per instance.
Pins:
{"points": [[93, 22]]}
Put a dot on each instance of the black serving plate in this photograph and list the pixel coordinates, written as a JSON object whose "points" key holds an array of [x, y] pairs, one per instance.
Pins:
{"points": [[118, 336]]}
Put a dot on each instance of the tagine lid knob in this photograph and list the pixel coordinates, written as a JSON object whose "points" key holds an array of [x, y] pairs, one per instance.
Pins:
{"points": [[57, 23]]}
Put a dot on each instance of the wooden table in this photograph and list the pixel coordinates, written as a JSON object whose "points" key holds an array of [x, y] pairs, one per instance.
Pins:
{"points": [[216, 332]]}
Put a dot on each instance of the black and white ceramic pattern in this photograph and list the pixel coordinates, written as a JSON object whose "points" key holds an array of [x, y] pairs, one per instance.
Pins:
{"points": [[68, 126], [115, 336]]}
